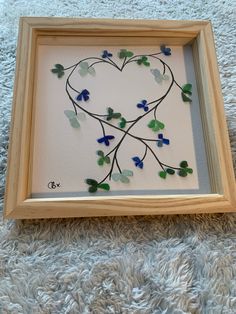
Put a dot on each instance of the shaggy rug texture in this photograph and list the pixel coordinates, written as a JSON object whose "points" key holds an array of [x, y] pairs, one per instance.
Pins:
{"points": [[138, 265]]}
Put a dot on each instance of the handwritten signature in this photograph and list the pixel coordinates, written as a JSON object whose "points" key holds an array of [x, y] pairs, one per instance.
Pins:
{"points": [[52, 185]]}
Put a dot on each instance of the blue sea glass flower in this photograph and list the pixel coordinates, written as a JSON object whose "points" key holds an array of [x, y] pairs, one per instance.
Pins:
{"points": [[143, 105], [165, 50], [106, 54], [138, 162], [161, 140], [105, 139], [84, 95]]}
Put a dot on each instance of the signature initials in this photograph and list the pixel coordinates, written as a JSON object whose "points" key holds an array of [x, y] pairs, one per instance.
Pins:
{"points": [[52, 185]]}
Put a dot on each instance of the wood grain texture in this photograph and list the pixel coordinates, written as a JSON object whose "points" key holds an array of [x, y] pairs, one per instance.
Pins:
{"points": [[218, 140], [110, 26], [114, 40], [35, 31], [15, 147], [120, 206]]}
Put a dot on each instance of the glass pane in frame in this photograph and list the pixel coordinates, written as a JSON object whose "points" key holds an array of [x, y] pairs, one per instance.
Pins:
{"points": [[126, 117]]}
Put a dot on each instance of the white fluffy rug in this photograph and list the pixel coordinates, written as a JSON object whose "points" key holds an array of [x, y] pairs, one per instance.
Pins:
{"points": [[142, 265]]}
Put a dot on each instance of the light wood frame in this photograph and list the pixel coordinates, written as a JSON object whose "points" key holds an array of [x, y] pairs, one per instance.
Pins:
{"points": [[18, 202]]}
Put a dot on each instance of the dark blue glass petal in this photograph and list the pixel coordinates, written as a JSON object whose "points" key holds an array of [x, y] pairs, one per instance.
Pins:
{"points": [[140, 165], [100, 140], [109, 137], [140, 105], [106, 142], [166, 141], [136, 159], [79, 97]]}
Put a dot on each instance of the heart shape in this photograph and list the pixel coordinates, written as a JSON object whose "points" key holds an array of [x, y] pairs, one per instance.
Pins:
{"points": [[120, 89]]}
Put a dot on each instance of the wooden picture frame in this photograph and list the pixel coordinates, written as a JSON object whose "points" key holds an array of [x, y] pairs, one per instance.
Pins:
{"points": [[19, 203]]}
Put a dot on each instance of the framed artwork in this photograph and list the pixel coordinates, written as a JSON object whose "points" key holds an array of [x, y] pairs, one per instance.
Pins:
{"points": [[117, 117]]}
